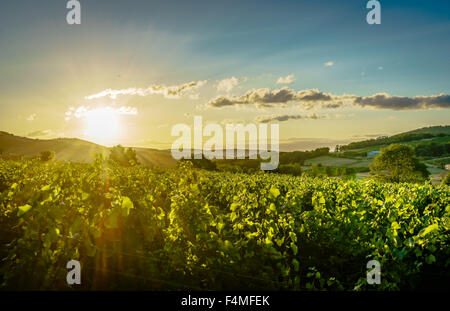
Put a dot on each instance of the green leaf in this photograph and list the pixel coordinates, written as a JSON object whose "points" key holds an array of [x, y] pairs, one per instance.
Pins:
{"points": [[274, 192], [234, 206], [280, 241], [294, 248], [395, 225], [111, 221], [220, 226], [430, 259], [233, 216], [227, 245], [295, 264], [429, 229], [127, 205], [272, 208], [76, 225], [45, 188], [23, 210]]}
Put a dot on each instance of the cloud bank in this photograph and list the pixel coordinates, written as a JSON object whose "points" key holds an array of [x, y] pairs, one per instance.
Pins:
{"points": [[286, 117], [384, 101], [313, 98]]}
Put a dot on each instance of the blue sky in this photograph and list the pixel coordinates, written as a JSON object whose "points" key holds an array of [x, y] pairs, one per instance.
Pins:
{"points": [[47, 66]]}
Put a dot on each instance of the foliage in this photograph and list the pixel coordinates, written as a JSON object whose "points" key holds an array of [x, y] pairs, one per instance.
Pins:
{"points": [[290, 169], [203, 163], [301, 156], [397, 163], [432, 149], [139, 228], [123, 156], [446, 180], [238, 165], [385, 140], [46, 156]]}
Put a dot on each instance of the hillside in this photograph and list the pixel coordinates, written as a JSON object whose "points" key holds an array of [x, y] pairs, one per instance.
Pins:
{"points": [[436, 134], [431, 145], [431, 130], [75, 150]]}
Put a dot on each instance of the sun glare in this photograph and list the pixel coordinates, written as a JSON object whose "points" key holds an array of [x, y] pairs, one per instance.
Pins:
{"points": [[102, 125]]}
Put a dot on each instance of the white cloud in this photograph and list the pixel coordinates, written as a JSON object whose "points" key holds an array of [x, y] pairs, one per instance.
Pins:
{"points": [[344, 116], [83, 111], [227, 84], [287, 117], [329, 64], [40, 133], [31, 117], [174, 91], [380, 68], [286, 80]]}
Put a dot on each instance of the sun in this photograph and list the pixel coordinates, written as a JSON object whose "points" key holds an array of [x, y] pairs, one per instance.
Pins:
{"points": [[102, 125]]}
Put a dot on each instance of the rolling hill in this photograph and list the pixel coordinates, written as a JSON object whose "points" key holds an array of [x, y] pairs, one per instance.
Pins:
{"points": [[431, 130], [75, 150], [434, 134], [78, 150]]}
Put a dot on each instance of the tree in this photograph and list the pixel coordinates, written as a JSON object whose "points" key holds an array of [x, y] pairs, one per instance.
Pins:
{"points": [[46, 156], [336, 149], [315, 170], [397, 163], [123, 156], [329, 171], [290, 169], [446, 180]]}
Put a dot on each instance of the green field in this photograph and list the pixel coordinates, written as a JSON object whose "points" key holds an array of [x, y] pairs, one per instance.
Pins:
{"points": [[184, 228], [438, 161], [339, 162], [437, 140], [433, 164]]}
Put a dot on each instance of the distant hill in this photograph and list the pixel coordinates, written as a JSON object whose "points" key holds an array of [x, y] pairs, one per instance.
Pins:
{"points": [[75, 150], [78, 150], [431, 130], [155, 157], [438, 134]]}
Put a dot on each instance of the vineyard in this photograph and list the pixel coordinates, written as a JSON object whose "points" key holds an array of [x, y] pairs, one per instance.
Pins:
{"points": [[184, 228]]}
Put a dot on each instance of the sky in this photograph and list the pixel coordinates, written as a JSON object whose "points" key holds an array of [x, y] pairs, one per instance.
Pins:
{"points": [[133, 69]]}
